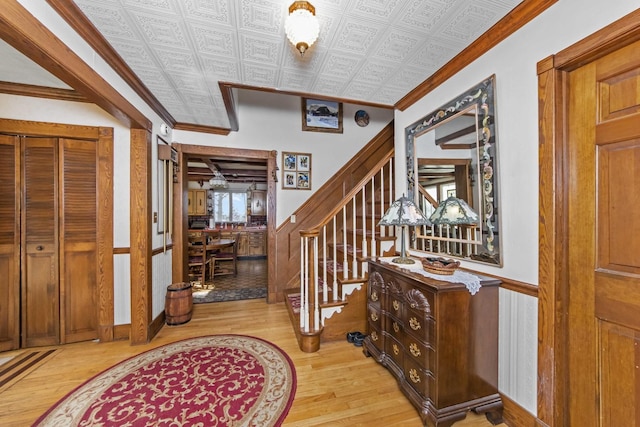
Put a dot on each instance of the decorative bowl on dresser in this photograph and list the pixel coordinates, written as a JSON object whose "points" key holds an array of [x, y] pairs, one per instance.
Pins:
{"points": [[438, 340]]}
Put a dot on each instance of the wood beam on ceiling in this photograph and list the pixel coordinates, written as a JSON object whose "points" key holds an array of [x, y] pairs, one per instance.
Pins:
{"points": [[74, 16], [25, 33], [22, 89]]}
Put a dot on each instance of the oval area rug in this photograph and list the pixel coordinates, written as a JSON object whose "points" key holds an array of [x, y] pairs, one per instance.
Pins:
{"points": [[217, 380]]}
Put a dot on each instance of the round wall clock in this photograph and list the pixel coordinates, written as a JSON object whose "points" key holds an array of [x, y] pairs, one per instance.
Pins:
{"points": [[362, 118]]}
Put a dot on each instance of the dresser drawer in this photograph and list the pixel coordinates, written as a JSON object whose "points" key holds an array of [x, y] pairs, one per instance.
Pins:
{"points": [[374, 316], [375, 336], [420, 325], [421, 380], [395, 304], [395, 327], [394, 348], [420, 353], [375, 294]]}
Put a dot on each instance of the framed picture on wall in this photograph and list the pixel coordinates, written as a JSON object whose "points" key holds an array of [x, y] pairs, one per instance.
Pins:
{"points": [[296, 171], [321, 116]]}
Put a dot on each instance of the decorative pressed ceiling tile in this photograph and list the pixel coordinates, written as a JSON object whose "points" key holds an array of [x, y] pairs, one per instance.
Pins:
{"points": [[370, 51]]}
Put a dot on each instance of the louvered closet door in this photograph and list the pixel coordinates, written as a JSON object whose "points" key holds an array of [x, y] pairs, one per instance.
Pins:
{"points": [[9, 243], [78, 245], [40, 302]]}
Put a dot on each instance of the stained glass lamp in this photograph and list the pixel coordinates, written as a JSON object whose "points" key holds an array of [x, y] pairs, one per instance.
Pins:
{"points": [[401, 213]]}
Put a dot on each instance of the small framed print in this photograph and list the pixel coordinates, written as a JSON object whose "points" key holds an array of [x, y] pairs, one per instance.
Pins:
{"points": [[289, 180], [289, 161], [303, 162], [303, 180], [321, 116], [296, 171]]}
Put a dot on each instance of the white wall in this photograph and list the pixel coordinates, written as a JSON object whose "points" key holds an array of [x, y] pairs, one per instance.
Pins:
{"points": [[514, 63], [271, 121]]}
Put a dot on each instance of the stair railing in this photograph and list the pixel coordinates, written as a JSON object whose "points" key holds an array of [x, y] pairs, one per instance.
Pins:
{"points": [[350, 229]]}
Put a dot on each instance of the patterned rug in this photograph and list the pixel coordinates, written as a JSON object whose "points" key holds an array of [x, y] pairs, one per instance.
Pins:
{"points": [[218, 380], [219, 295]]}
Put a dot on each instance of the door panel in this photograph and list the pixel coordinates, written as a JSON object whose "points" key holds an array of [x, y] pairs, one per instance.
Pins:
{"points": [[604, 243], [40, 304], [9, 243], [78, 247]]}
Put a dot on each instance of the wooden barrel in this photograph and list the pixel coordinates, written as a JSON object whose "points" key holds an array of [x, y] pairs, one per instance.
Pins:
{"points": [[178, 304]]}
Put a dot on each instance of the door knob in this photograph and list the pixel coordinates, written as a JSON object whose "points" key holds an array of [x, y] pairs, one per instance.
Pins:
{"points": [[39, 248]]}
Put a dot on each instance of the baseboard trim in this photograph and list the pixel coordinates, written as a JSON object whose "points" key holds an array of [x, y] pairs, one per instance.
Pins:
{"points": [[515, 415], [121, 332]]}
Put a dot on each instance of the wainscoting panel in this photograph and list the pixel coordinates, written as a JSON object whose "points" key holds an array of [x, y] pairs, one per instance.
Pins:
{"points": [[161, 277], [518, 353], [122, 289]]}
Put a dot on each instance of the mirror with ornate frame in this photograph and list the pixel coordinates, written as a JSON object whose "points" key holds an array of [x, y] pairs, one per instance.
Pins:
{"points": [[453, 152]]}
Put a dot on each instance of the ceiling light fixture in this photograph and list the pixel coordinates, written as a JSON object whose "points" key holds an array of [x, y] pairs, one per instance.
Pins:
{"points": [[301, 26], [218, 180]]}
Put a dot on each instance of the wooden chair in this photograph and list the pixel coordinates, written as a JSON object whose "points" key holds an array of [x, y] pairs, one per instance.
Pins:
{"points": [[199, 262], [226, 260]]}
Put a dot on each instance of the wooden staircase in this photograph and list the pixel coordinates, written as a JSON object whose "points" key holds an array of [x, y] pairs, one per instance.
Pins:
{"points": [[331, 296]]}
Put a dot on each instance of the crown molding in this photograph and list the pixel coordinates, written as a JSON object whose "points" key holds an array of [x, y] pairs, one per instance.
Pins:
{"points": [[81, 24], [513, 21]]}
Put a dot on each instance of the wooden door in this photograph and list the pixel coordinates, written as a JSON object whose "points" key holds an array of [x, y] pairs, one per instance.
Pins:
{"points": [[78, 243], [39, 218], [190, 202], [9, 242], [200, 202], [603, 205]]}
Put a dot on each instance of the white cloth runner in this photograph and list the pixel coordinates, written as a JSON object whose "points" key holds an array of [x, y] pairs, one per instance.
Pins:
{"points": [[471, 281]]}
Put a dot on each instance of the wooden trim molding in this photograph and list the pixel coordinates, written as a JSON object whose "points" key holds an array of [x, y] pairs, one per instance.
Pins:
{"points": [[41, 92], [516, 19], [202, 128], [79, 22], [140, 226], [25, 33], [226, 89], [105, 235], [553, 230], [158, 251], [515, 415]]}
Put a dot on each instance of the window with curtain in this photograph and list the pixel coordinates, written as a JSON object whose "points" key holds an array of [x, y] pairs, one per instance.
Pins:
{"points": [[229, 206]]}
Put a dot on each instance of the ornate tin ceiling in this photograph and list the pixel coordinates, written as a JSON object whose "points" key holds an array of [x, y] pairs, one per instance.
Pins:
{"points": [[368, 51]]}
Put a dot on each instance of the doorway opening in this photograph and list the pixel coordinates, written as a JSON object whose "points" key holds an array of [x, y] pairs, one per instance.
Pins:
{"points": [[227, 194]]}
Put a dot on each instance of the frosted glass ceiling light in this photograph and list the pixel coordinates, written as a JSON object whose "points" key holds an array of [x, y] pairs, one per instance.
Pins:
{"points": [[301, 26]]}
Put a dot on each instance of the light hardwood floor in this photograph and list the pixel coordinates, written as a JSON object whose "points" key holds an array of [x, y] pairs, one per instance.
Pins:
{"points": [[337, 386]]}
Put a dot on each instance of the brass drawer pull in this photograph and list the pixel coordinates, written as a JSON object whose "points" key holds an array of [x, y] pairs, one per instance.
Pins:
{"points": [[374, 316], [396, 305], [396, 327], [414, 349], [414, 323], [374, 336], [396, 350], [413, 374], [374, 296]]}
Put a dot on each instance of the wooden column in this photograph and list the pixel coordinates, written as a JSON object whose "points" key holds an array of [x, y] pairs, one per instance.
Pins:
{"points": [[140, 236]]}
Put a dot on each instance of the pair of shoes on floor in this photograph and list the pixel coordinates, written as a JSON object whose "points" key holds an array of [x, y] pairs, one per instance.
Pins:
{"points": [[356, 338]]}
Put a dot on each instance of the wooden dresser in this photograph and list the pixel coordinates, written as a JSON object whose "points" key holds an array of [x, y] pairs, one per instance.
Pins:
{"points": [[438, 340]]}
